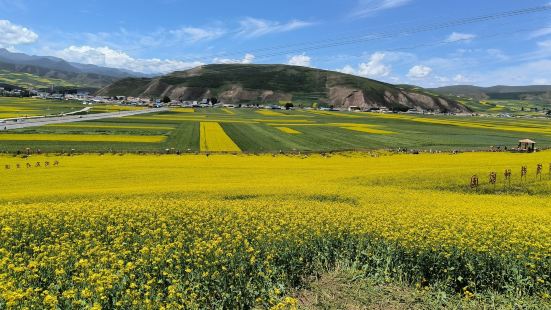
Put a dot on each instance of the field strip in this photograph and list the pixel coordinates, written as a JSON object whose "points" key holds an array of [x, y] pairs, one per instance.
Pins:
{"points": [[115, 108], [194, 119], [368, 130], [340, 114], [183, 110], [270, 113], [324, 125], [228, 111], [296, 124], [13, 109], [466, 124], [16, 114], [168, 118], [289, 130], [283, 120], [213, 138], [111, 126], [82, 138]]}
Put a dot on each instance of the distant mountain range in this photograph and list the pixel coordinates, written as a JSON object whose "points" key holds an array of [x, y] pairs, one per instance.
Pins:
{"points": [[237, 83], [531, 92], [249, 83], [45, 71]]}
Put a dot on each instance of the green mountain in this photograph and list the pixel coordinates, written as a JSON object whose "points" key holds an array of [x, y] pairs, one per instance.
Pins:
{"points": [[25, 71], [30, 81], [530, 92], [237, 83]]}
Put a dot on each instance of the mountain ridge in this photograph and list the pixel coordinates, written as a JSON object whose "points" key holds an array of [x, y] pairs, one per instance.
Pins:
{"points": [[84, 75], [265, 83], [528, 92]]}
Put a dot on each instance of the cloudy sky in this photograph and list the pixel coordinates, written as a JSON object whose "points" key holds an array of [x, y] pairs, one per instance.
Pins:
{"points": [[422, 42]]}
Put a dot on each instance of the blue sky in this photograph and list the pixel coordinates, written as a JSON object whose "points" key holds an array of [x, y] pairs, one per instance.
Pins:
{"points": [[397, 41]]}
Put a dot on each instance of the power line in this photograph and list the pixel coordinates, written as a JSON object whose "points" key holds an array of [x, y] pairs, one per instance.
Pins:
{"points": [[350, 40], [229, 69]]}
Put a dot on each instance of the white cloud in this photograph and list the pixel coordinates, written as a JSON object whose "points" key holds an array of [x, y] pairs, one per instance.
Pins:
{"points": [[369, 7], [459, 78], [457, 36], [419, 71], [300, 60], [194, 34], [541, 32], [247, 59], [533, 72], [105, 56], [542, 81], [546, 45], [347, 69], [253, 27], [374, 68], [12, 35], [497, 54]]}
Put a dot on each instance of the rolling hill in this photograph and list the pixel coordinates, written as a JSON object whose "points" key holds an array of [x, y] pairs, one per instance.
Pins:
{"points": [[28, 71], [237, 83], [530, 92]]}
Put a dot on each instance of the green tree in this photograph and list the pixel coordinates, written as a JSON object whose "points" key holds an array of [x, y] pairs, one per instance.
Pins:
{"points": [[289, 105], [166, 99]]}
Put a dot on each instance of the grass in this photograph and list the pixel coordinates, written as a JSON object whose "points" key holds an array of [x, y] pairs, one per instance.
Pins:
{"points": [[496, 106], [321, 131], [350, 289], [368, 130]]}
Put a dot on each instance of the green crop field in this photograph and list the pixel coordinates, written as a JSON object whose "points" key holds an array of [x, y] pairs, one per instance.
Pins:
{"points": [[267, 131], [23, 107], [26, 107], [517, 107], [27, 80]]}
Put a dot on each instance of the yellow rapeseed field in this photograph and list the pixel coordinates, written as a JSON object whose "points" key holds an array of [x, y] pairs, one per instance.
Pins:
{"points": [[183, 110], [114, 108], [468, 124], [366, 129], [115, 126], [238, 231], [289, 130], [83, 138], [213, 139], [335, 113], [199, 118]]}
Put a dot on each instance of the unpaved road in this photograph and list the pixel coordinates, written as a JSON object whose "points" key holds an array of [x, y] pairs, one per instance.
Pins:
{"points": [[23, 123]]}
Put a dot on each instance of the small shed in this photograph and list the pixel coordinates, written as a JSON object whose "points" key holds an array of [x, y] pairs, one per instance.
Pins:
{"points": [[526, 145]]}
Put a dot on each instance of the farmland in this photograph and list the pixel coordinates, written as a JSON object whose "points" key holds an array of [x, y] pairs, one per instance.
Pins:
{"points": [[29, 107], [23, 107], [227, 231], [266, 131]]}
